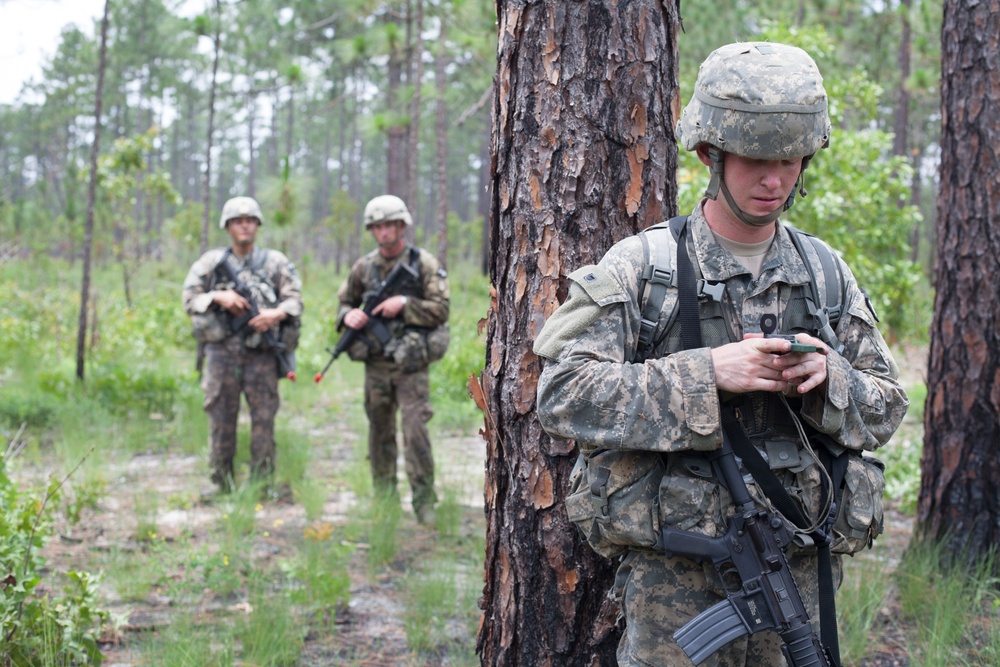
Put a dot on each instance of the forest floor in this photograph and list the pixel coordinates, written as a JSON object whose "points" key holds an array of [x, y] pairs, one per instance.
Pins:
{"points": [[369, 631]]}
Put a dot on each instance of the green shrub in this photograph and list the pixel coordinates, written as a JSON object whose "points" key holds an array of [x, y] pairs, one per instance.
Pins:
{"points": [[38, 625], [470, 301], [30, 407]]}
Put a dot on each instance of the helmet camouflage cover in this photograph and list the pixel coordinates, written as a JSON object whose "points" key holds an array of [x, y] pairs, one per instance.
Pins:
{"points": [[761, 100], [384, 208], [240, 207]]}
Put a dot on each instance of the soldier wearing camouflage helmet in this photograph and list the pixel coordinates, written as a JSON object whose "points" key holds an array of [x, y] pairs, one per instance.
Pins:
{"points": [[646, 412], [238, 358], [396, 372]]}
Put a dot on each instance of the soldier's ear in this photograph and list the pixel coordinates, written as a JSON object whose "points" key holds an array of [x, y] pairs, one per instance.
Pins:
{"points": [[703, 155]]}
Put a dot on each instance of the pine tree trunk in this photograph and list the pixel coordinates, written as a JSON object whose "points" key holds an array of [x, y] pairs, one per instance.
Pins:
{"points": [[207, 182], [960, 470], [88, 235], [441, 130], [583, 156]]}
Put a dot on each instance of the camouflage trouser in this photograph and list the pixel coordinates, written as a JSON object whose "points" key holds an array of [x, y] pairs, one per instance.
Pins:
{"points": [[231, 370], [658, 595], [386, 389]]}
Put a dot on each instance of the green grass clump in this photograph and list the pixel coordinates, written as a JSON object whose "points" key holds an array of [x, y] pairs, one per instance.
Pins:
{"points": [[270, 634], [859, 602], [188, 642], [941, 597]]}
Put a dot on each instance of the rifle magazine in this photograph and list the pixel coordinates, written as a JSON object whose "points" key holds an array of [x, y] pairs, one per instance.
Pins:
{"points": [[710, 630]]}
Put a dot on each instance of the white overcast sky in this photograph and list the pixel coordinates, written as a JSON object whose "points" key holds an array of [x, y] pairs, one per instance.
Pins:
{"points": [[29, 34]]}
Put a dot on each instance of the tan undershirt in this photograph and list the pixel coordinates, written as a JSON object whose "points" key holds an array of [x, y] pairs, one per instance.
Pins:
{"points": [[750, 255]]}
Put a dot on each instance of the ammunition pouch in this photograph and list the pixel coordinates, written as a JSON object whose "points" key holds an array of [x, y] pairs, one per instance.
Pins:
{"points": [[861, 515], [212, 326], [288, 333], [417, 347], [613, 500]]}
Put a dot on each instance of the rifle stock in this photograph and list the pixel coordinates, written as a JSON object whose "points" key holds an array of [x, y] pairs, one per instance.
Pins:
{"points": [[375, 324], [753, 548]]}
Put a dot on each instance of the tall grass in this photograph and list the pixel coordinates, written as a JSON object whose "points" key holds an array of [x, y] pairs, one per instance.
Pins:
{"points": [[141, 396], [942, 596], [860, 601]]}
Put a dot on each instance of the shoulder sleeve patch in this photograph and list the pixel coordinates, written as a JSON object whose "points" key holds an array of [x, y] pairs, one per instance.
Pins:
{"points": [[598, 284], [591, 289]]}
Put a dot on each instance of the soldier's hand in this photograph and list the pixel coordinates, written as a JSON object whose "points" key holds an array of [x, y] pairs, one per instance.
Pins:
{"points": [[266, 319], [356, 319], [749, 365], [390, 308], [231, 301], [804, 371], [767, 364]]}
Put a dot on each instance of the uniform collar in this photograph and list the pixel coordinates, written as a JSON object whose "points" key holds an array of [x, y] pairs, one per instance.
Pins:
{"points": [[781, 263]]}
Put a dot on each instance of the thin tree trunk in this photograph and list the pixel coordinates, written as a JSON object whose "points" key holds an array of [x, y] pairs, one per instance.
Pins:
{"points": [[207, 187], [901, 116], [583, 155], [88, 236], [252, 154], [412, 193], [441, 75], [395, 167], [959, 501]]}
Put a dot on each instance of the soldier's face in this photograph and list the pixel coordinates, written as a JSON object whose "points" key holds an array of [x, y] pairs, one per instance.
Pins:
{"points": [[242, 230], [760, 187], [390, 236]]}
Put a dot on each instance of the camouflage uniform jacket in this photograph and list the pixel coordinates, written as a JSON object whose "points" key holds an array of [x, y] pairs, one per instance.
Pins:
{"points": [[428, 302], [591, 392], [270, 275]]}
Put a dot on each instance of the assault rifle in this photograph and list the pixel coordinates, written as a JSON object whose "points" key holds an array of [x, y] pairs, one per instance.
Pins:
{"points": [[752, 548], [376, 325], [286, 362]]}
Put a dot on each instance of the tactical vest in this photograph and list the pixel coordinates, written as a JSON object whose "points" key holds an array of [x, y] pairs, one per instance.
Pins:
{"points": [[807, 311], [659, 333], [618, 498]]}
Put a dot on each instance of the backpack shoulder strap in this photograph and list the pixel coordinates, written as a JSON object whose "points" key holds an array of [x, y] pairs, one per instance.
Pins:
{"points": [[658, 278], [826, 311]]}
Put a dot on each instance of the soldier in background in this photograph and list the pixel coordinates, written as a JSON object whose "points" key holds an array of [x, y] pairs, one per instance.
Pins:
{"points": [[757, 116], [238, 359], [396, 371]]}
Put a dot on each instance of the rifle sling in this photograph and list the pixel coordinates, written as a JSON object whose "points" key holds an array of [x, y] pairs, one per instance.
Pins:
{"points": [[691, 335]]}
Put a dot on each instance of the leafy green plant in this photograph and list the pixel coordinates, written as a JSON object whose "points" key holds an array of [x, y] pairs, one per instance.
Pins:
{"points": [[37, 628], [453, 408], [84, 495], [902, 470]]}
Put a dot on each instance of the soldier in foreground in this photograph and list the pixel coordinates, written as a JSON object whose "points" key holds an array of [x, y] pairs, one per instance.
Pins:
{"points": [[649, 411], [245, 304], [411, 316]]}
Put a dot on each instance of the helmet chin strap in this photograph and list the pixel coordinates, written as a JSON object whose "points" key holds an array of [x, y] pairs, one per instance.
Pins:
{"points": [[717, 182]]}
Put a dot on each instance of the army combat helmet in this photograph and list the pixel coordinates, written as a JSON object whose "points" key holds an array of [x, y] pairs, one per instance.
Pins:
{"points": [[384, 208], [240, 207], [760, 100]]}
